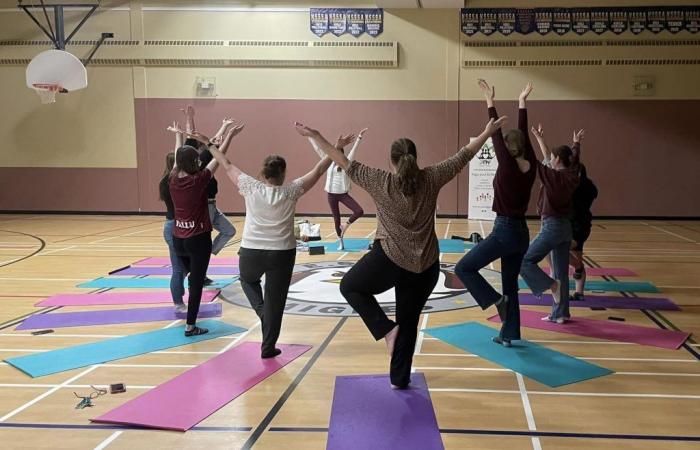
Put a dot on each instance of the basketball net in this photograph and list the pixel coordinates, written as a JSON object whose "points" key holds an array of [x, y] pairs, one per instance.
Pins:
{"points": [[46, 92]]}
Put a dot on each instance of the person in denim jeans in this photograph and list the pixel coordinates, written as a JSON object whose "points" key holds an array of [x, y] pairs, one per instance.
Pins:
{"points": [[559, 181], [510, 236]]}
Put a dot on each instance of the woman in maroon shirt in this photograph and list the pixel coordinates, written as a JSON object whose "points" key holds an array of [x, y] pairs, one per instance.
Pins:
{"points": [[510, 236], [192, 231]]}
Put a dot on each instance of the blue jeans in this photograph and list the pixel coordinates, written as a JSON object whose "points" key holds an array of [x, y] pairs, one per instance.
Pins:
{"points": [[177, 279], [554, 237], [221, 224], [508, 241]]}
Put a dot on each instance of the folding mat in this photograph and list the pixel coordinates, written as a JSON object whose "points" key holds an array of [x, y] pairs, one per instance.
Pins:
{"points": [[539, 363], [145, 283], [604, 329], [368, 414], [165, 261], [119, 298], [605, 301], [610, 286], [113, 316], [55, 361], [189, 398]]}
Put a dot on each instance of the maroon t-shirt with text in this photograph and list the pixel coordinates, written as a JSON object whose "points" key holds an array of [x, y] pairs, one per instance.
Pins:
{"points": [[191, 206]]}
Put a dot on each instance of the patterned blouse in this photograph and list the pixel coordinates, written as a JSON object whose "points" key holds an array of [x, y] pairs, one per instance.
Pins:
{"points": [[406, 225]]}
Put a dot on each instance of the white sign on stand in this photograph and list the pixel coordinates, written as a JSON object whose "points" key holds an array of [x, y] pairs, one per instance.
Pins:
{"points": [[482, 170]]}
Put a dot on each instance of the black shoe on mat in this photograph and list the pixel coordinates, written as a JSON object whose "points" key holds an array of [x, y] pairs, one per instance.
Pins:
{"points": [[196, 331]]}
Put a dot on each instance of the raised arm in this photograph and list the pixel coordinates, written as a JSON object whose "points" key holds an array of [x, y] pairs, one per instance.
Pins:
{"points": [[219, 155], [322, 143], [225, 124], [539, 136], [189, 119], [576, 148], [523, 125], [499, 144], [351, 155]]}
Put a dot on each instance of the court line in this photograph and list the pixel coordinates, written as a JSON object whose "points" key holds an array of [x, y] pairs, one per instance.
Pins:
{"points": [[529, 415], [99, 240], [239, 338], [109, 440], [590, 358], [669, 232], [565, 394]]}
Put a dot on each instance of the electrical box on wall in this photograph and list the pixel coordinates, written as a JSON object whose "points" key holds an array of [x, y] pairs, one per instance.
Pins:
{"points": [[644, 86], [205, 87]]}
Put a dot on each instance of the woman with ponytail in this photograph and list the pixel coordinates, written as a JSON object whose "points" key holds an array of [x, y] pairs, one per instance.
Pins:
{"points": [[405, 253], [268, 246]]}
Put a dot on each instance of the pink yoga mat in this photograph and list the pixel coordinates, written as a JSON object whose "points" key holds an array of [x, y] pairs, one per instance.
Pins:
{"points": [[118, 298], [189, 398], [604, 329], [603, 271], [164, 261]]}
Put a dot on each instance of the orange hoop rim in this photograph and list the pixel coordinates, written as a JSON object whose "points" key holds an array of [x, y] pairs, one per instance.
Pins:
{"points": [[47, 86]]}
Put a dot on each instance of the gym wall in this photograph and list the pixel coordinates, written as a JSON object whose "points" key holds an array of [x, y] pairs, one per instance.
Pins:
{"points": [[102, 148]]}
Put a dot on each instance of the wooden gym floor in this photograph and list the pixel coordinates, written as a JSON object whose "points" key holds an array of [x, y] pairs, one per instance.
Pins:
{"points": [[654, 392]]}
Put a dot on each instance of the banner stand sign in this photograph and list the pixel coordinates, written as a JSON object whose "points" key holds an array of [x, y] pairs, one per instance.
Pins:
{"points": [[482, 170]]}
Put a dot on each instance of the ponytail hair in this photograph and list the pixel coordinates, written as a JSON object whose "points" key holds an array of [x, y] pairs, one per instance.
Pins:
{"points": [[564, 153], [187, 160], [404, 158], [274, 168], [163, 185]]}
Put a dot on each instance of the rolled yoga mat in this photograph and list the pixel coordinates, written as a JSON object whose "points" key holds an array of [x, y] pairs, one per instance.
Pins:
{"points": [[368, 414], [539, 363], [602, 272], [113, 316], [168, 270], [604, 329], [361, 244], [605, 301], [164, 261], [119, 298], [189, 398], [69, 358], [609, 286], [145, 283]]}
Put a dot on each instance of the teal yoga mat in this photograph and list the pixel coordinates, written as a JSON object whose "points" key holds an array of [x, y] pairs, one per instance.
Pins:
{"points": [[145, 283], [528, 359], [609, 286], [55, 361], [361, 244]]}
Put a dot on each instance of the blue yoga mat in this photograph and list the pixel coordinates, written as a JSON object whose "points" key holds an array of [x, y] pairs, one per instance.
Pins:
{"points": [[609, 286], [528, 359], [141, 283], [361, 244], [69, 358]]}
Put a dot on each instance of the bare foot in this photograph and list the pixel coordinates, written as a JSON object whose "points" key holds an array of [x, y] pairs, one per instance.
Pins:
{"points": [[390, 339], [556, 287]]}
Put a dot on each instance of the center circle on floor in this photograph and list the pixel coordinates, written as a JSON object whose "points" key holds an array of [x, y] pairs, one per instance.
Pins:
{"points": [[314, 291]]}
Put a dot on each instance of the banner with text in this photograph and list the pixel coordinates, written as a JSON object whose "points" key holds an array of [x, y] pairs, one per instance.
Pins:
{"points": [[482, 169], [339, 21]]}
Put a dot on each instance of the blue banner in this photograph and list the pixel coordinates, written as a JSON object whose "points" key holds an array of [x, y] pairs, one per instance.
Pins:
{"points": [[339, 21]]}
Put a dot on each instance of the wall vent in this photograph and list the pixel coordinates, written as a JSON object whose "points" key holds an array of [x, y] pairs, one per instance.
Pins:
{"points": [[352, 44], [489, 63], [269, 43], [115, 62], [561, 62], [14, 61], [187, 43], [585, 43], [652, 62], [185, 62], [562, 43]]}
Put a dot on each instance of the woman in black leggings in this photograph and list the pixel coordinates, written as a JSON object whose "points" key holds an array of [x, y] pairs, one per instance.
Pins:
{"points": [[192, 230]]}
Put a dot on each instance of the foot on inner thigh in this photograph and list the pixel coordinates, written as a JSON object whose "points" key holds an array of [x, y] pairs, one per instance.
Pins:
{"points": [[390, 339], [556, 287]]}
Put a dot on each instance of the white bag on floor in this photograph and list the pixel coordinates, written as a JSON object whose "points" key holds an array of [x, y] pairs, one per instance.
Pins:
{"points": [[310, 230]]}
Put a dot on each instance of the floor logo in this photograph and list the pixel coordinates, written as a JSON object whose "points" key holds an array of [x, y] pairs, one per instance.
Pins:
{"points": [[314, 291]]}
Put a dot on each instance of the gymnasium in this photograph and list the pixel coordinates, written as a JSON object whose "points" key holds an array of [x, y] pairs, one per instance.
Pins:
{"points": [[350, 225]]}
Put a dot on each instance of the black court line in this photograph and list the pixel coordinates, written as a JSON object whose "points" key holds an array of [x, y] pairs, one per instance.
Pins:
{"points": [[102, 232], [66, 426], [42, 245], [287, 393]]}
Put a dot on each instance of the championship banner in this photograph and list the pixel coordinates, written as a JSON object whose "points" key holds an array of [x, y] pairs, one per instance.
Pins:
{"points": [[581, 21], [340, 21], [482, 170]]}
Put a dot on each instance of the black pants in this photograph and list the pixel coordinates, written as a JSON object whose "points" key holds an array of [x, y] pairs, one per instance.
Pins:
{"points": [[376, 273], [194, 253], [277, 266]]}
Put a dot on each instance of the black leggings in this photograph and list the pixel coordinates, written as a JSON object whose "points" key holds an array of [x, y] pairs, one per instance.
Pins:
{"points": [[194, 253], [277, 266], [376, 273]]}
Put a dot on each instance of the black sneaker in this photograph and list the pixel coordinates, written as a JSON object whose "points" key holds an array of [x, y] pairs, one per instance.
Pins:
{"points": [[196, 331], [271, 354], [502, 341], [208, 281], [578, 297]]}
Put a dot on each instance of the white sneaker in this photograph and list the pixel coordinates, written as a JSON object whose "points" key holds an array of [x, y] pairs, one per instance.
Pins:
{"points": [[561, 320], [546, 319]]}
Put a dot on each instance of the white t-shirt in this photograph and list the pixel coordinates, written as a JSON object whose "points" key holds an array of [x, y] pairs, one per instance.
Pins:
{"points": [[269, 217], [337, 181]]}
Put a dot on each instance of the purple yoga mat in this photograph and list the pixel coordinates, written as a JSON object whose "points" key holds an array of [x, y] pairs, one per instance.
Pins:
{"points": [[113, 316], [189, 398], [163, 261], [368, 414], [603, 271], [155, 270], [606, 301], [118, 298], [604, 329]]}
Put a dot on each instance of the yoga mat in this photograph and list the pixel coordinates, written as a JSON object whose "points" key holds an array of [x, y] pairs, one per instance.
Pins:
{"points": [[602, 271], [361, 244], [368, 414], [143, 283], [528, 359], [605, 301], [164, 261], [113, 316], [155, 270], [625, 286], [604, 329], [69, 358], [118, 298], [189, 398]]}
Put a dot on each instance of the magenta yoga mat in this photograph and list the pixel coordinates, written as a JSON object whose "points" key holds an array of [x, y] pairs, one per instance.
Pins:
{"points": [[603, 271], [189, 398], [118, 298], [165, 261], [604, 329]]}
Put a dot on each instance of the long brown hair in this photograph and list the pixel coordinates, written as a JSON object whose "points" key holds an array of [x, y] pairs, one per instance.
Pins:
{"points": [[187, 160], [404, 158], [163, 185]]}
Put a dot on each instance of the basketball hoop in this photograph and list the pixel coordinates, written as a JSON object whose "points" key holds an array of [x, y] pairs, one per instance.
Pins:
{"points": [[46, 92]]}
